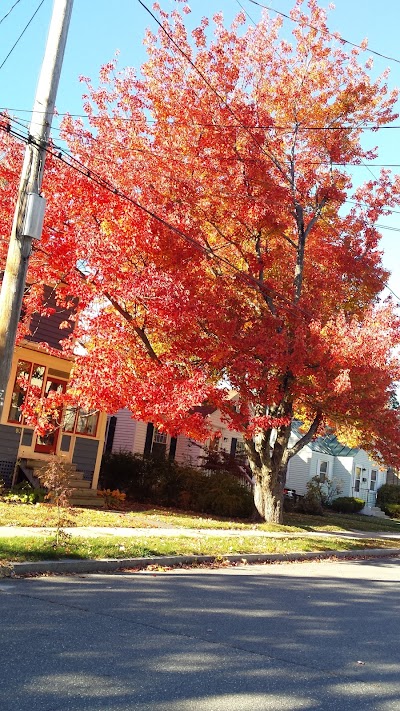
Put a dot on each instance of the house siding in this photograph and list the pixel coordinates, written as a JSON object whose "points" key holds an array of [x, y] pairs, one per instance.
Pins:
{"points": [[298, 473], [140, 437], [124, 434], [342, 473], [187, 451], [9, 443], [85, 454], [131, 436], [47, 328]]}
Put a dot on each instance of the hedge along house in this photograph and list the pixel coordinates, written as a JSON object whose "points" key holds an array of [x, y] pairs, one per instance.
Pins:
{"points": [[78, 436], [354, 472]]}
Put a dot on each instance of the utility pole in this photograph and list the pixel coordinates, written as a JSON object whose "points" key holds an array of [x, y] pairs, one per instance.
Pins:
{"points": [[29, 211]]}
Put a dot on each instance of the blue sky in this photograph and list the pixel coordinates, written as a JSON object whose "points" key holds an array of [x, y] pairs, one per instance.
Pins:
{"points": [[100, 27]]}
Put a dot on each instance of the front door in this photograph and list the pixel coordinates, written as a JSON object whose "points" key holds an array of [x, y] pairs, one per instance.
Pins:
{"points": [[47, 443]]}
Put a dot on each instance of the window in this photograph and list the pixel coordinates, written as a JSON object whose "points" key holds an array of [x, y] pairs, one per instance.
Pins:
{"points": [[159, 445], [357, 478], [240, 449], [374, 476], [322, 471], [28, 376], [80, 421], [87, 422]]}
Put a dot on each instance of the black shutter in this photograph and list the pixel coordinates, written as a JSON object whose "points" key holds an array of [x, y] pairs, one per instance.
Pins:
{"points": [[110, 434], [233, 446], [172, 448], [149, 438]]}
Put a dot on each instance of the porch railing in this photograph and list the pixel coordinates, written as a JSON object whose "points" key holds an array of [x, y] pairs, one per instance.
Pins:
{"points": [[366, 495]]}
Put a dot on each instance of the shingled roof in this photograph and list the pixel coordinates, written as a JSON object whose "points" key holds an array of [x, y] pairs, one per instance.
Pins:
{"points": [[327, 444]]}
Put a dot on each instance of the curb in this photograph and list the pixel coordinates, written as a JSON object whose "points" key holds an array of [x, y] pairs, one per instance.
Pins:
{"points": [[111, 565]]}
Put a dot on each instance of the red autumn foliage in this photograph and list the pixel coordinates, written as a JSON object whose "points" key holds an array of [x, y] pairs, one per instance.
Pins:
{"points": [[258, 273]]}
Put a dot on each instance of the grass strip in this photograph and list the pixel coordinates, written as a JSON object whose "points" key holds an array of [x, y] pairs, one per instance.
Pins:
{"points": [[44, 515], [44, 548]]}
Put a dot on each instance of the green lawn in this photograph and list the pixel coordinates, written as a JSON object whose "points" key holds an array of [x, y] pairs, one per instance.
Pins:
{"points": [[22, 548], [12, 514]]}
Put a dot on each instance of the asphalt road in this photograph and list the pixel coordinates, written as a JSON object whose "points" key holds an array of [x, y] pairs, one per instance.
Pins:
{"points": [[310, 636]]}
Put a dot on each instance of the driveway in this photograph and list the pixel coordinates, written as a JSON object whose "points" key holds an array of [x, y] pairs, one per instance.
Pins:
{"points": [[319, 635]]}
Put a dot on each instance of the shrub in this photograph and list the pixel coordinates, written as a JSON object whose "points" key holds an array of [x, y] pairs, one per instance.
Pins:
{"points": [[388, 494], [129, 473], [164, 482], [112, 499], [55, 478], [312, 502], [221, 495], [392, 510], [347, 504], [24, 493]]}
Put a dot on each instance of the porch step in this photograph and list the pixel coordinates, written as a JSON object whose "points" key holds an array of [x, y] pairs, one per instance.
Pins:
{"points": [[373, 511], [86, 498], [82, 493]]}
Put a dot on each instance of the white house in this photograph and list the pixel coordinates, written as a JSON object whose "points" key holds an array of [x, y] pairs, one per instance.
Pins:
{"points": [[325, 457]]}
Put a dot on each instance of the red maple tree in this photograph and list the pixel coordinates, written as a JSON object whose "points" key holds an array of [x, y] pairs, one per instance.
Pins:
{"points": [[219, 243]]}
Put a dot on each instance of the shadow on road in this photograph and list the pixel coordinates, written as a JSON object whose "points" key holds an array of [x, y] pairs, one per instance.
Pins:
{"points": [[305, 636]]}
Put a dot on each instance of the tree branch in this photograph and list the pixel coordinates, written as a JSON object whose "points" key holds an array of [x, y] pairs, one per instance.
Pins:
{"points": [[307, 437]]}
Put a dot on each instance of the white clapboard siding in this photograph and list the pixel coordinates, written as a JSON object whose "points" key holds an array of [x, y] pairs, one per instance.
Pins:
{"points": [[140, 437], [298, 473], [124, 435], [188, 451], [342, 471]]}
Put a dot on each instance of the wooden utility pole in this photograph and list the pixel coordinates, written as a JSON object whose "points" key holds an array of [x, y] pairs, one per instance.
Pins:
{"points": [[29, 211]]}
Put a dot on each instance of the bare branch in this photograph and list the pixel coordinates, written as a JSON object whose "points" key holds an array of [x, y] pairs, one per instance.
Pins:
{"points": [[307, 437]]}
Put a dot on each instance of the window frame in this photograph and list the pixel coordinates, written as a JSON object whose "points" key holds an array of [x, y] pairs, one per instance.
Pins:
{"points": [[325, 475], [75, 421], [33, 365]]}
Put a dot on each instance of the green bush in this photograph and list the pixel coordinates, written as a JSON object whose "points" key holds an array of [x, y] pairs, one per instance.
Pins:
{"points": [[127, 472], [392, 510], [24, 493], [388, 494], [312, 502], [347, 504], [164, 482]]}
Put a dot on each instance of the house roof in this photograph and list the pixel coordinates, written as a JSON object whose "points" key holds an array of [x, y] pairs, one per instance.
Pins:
{"points": [[328, 444]]}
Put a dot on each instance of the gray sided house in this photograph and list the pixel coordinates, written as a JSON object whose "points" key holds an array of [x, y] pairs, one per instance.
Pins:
{"points": [[78, 436]]}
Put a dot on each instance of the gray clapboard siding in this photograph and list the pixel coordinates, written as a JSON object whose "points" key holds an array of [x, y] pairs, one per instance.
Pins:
{"points": [[9, 443], [85, 453]]}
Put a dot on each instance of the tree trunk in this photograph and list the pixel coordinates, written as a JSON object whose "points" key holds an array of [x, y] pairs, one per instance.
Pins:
{"points": [[268, 493]]}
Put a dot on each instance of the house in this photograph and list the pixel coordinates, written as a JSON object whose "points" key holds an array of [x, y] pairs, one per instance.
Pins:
{"points": [[351, 469], [79, 439], [138, 437]]}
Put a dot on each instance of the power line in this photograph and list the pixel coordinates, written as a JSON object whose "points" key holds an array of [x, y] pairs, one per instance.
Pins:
{"points": [[224, 195], [22, 33], [9, 12], [363, 164], [334, 35], [251, 281], [270, 127]]}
